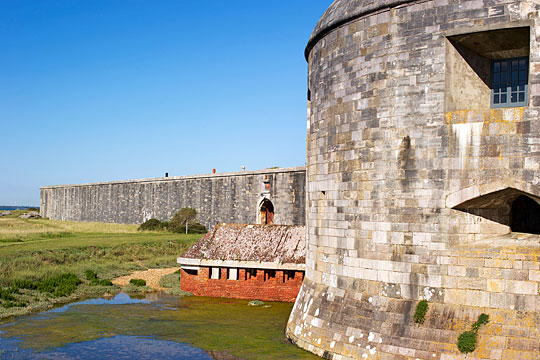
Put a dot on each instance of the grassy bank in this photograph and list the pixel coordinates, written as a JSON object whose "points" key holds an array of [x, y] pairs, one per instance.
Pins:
{"points": [[34, 251]]}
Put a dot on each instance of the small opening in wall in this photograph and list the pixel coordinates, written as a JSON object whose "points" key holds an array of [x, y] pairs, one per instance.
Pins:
{"points": [[269, 274], [525, 215], [251, 273], [516, 209], [288, 275], [191, 272]]}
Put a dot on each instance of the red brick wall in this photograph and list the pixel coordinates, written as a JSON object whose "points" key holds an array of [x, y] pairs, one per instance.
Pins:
{"points": [[261, 287]]}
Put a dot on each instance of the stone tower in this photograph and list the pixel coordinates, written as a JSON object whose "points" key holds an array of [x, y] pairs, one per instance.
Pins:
{"points": [[423, 173]]}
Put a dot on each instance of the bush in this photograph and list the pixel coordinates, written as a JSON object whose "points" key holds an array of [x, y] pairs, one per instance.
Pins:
{"points": [[90, 275], [10, 304], [100, 282], [467, 339], [183, 216], [137, 282], [196, 228], [152, 225], [467, 342], [420, 312], [95, 281], [62, 285]]}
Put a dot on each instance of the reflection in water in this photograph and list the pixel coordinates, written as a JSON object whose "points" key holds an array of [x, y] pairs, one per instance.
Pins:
{"points": [[116, 347], [157, 327], [119, 299]]}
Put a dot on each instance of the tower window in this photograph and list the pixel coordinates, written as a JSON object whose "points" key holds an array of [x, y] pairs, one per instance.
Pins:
{"points": [[487, 69], [510, 82]]}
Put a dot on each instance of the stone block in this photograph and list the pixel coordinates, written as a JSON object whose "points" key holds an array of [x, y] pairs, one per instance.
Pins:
{"points": [[522, 287]]}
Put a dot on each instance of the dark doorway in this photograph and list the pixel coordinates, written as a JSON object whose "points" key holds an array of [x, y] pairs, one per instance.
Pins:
{"points": [[266, 212], [525, 215]]}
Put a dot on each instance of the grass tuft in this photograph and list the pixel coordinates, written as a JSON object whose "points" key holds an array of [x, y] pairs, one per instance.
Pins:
{"points": [[420, 312]]}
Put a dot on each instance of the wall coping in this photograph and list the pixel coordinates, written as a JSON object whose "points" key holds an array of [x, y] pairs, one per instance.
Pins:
{"points": [[185, 177], [195, 264]]}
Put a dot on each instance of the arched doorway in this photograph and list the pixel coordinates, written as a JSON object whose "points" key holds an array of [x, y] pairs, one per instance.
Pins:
{"points": [[525, 215], [266, 212]]}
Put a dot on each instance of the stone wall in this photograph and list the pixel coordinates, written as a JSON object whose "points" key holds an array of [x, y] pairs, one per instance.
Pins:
{"points": [[412, 179], [228, 197], [253, 284]]}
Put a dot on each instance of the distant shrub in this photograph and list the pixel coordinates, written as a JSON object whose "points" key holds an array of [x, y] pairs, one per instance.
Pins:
{"points": [[33, 209], [7, 294], [137, 282], [61, 285], [100, 282], [90, 274], [95, 281], [186, 216], [57, 286], [420, 312], [10, 304], [152, 225]]}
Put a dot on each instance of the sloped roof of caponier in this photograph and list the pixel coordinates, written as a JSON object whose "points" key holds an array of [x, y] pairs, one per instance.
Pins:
{"points": [[343, 11]]}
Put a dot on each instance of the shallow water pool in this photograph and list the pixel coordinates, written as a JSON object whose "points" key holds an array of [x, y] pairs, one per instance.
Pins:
{"points": [[157, 326]]}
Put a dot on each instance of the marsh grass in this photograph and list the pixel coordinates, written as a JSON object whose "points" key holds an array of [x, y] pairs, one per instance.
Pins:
{"points": [[171, 283], [37, 249]]}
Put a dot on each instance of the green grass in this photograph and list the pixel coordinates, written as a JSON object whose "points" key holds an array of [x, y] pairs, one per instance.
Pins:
{"points": [[171, 283], [37, 249]]}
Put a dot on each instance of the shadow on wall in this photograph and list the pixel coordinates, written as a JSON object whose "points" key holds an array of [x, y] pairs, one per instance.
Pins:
{"points": [[518, 210]]}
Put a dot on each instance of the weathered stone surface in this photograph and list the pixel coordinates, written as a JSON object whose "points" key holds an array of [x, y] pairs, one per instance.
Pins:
{"points": [[229, 197], [411, 177]]}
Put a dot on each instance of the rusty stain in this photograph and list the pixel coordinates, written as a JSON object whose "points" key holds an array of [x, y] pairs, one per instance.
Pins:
{"points": [[284, 244]]}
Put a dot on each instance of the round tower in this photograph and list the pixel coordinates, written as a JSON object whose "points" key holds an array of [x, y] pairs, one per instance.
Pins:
{"points": [[423, 171]]}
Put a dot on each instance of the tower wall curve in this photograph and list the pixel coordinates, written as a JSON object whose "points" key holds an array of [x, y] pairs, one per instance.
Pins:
{"points": [[402, 123]]}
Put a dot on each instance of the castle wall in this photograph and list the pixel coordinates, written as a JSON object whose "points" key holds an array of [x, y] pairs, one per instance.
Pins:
{"points": [[400, 140], [229, 197]]}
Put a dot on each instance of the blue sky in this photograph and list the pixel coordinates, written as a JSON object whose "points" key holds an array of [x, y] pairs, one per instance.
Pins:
{"points": [[99, 90]]}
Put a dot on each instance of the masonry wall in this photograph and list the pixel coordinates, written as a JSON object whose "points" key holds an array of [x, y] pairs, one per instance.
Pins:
{"points": [[280, 287], [231, 197], [388, 165]]}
